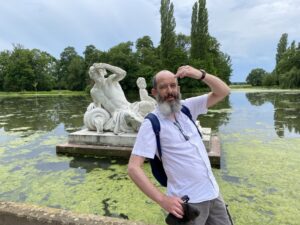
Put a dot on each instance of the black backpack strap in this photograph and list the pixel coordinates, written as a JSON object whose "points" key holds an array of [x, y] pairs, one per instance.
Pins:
{"points": [[187, 112], [156, 128], [156, 163]]}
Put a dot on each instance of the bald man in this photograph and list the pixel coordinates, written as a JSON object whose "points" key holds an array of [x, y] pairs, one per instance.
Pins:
{"points": [[184, 156]]}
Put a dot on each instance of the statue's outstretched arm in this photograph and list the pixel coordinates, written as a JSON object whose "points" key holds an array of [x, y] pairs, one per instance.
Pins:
{"points": [[118, 74]]}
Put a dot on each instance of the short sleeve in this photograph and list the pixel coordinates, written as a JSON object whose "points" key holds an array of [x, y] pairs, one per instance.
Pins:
{"points": [[197, 105], [145, 144]]}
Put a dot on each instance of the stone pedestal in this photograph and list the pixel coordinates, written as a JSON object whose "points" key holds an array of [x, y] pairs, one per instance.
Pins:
{"points": [[85, 142]]}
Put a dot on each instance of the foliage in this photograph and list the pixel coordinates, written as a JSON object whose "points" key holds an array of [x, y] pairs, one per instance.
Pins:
{"points": [[286, 73], [24, 69], [199, 31], [168, 36], [34, 70], [281, 47], [71, 74], [123, 57], [255, 77]]}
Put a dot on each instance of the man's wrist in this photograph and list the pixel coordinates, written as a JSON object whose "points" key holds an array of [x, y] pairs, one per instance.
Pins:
{"points": [[203, 74]]}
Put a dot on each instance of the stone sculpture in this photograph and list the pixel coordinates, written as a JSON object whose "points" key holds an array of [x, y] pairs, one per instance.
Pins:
{"points": [[110, 110]]}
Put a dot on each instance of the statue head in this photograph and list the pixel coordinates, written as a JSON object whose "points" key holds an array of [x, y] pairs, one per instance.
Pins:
{"points": [[97, 72], [141, 82]]}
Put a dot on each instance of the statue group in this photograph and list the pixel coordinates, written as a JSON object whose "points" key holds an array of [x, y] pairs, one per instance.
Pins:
{"points": [[110, 110]]}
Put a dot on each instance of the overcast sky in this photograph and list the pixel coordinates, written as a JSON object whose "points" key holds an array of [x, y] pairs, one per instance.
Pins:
{"points": [[247, 30]]}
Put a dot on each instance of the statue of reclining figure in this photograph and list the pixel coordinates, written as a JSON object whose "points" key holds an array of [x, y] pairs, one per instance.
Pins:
{"points": [[110, 110]]}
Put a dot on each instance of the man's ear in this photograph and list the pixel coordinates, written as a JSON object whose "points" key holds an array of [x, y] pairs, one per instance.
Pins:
{"points": [[154, 92], [178, 88]]}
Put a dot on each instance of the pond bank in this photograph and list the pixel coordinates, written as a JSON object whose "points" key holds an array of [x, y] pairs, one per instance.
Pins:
{"points": [[12, 213]]}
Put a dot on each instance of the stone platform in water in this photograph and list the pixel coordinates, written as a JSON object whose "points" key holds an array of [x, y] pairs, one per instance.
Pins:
{"points": [[91, 143]]}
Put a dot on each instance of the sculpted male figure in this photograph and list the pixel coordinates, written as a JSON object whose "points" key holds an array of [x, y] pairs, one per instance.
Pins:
{"points": [[107, 94]]}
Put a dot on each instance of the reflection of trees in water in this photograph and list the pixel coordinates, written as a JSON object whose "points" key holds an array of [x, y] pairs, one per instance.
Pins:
{"points": [[286, 107], [46, 113], [90, 163], [217, 115], [43, 113]]}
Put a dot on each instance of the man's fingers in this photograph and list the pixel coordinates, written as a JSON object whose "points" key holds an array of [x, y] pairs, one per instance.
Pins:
{"points": [[178, 212]]}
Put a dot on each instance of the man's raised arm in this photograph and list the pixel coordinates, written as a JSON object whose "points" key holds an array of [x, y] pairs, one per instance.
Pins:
{"points": [[219, 89]]}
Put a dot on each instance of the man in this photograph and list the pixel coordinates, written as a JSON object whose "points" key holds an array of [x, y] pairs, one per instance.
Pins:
{"points": [[184, 156]]}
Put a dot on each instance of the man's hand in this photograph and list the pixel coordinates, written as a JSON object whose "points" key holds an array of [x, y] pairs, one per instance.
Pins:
{"points": [[188, 71], [172, 205]]}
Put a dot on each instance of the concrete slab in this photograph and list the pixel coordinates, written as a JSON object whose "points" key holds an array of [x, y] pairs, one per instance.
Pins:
{"points": [[85, 142], [13, 213], [86, 137], [102, 150]]}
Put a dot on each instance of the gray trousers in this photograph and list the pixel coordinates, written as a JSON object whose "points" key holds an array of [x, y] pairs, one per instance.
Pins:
{"points": [[212, 212]]}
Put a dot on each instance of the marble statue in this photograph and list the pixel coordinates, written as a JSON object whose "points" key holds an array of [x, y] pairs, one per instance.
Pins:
{"points": [[110, 110], [147, 103]]}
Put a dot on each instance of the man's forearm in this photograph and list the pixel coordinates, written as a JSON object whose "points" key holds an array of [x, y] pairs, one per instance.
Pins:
{"points": [[217, 86], [219, 89], [142, 181]]}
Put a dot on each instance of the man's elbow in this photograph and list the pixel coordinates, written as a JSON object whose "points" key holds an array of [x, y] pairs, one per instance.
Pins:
{"points": [[130, 169], [227, 91]]}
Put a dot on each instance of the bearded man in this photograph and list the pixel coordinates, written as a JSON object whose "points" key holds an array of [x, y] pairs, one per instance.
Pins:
{"points": [[184, 156]]}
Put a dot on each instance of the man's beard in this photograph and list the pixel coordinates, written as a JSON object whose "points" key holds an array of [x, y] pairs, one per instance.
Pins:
{"points": [[167, 108]]}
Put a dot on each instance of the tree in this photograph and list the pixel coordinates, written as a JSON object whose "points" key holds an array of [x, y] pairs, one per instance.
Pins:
{"points": [[20, 72], [4, 61], [122, 56], [168, 36], [44, 66], [281, 47], [256, 76], [183, 42], [199, 31], [71, 73], [147, 58], [288, 68]]}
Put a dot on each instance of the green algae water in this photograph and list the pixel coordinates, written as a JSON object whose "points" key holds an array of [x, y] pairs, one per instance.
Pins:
{"points": [[259, 175]]}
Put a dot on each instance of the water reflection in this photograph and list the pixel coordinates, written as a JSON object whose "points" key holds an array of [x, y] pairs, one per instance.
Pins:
{"points": [[286, 109], [32, 172], [216, 116], [42, 113]]}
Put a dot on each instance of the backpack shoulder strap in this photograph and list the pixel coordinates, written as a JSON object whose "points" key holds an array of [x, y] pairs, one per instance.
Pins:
{"points": [[156, 128], [187, 112]]}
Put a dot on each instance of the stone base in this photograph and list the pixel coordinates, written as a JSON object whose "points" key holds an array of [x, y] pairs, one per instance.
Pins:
{"points": [[86, 137], [86, 142]]}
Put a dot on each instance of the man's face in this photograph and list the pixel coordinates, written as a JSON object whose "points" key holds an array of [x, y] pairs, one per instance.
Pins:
{"points": [[167, 94], [167, 89]]}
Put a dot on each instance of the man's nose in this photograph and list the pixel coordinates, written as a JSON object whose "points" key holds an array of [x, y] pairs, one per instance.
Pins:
{"points": [[170, 89]]}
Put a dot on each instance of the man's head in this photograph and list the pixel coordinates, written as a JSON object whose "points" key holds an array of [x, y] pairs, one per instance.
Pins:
{"points": [[166, 91]]}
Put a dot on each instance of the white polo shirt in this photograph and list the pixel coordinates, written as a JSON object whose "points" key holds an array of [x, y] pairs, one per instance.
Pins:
{"points": [[186, 162]]}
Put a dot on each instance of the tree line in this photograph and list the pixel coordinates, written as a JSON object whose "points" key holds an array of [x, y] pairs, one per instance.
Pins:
{"points": [[32, 69], [286, 73]]}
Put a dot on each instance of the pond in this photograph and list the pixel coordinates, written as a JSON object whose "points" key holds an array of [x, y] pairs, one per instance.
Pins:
{"points": [[259, 175]]}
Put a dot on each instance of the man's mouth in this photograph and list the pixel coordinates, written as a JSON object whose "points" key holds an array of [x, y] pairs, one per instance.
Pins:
{"points": [[170, 97]]}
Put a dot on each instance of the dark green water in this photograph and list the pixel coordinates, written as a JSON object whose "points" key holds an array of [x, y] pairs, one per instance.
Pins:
{"points": [[259, 176]]}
